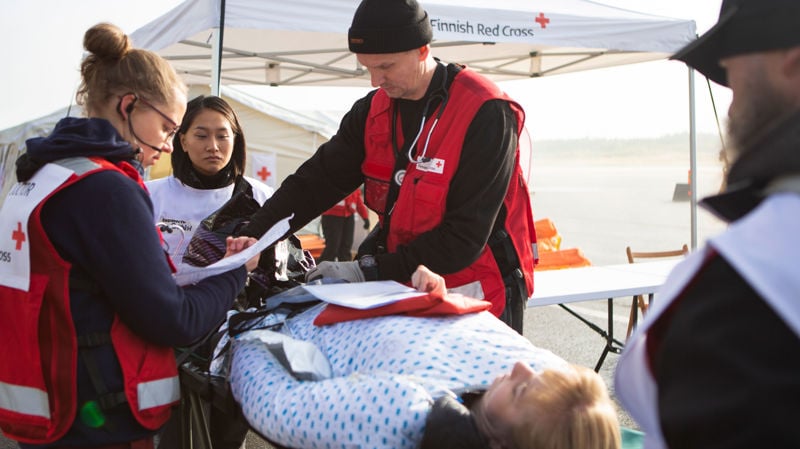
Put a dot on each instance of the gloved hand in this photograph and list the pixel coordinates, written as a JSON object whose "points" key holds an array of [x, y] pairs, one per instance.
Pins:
{"points": [[366, 224], [349, 271]]}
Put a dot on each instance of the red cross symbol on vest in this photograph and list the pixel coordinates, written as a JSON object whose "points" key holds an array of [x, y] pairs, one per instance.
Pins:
{"points": [[18, 236], [542, 20], [264, 173]]}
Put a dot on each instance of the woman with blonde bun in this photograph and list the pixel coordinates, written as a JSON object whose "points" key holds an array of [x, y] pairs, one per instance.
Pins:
{"points": [[89, 326]]}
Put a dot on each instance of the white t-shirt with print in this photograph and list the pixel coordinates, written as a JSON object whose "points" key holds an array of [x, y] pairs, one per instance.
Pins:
{"points": [[184, 207]]}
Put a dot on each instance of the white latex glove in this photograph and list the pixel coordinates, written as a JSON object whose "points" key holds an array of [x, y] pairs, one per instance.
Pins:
{"points": [[349, 271]]}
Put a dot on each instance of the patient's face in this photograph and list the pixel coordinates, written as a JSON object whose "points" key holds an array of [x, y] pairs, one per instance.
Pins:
{"points": [[505, 404]]}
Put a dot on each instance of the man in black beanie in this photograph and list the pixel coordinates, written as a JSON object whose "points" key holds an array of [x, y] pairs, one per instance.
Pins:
{"points": [[717, 363], [436, 148]]}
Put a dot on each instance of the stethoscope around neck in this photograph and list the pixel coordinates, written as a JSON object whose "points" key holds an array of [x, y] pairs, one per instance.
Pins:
{"points": [[440, 95]]}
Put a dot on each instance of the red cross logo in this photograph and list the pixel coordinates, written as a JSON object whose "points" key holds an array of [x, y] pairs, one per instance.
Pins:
{"points": [[264, 174], [542, 20], [439, 164], [18, 236]]}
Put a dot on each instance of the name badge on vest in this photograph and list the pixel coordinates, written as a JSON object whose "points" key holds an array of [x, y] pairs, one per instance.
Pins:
{"points": [[22, 199], [433, 165]]}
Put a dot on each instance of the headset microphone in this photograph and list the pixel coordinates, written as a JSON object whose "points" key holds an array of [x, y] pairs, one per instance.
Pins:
{"points": [[138, 149]]}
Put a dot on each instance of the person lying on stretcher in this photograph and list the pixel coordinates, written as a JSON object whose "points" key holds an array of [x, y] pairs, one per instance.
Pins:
{"points": [[457, 381]]}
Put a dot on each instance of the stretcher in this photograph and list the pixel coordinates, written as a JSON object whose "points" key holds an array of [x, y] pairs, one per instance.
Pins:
{"points": [[201, 390], [198, 387]]}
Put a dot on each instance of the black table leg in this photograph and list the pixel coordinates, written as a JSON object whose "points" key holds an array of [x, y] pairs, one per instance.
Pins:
{"points": [[612, 344]]}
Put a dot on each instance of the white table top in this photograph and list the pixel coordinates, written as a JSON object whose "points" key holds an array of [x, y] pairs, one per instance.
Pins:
{"points": [[598, 282]]}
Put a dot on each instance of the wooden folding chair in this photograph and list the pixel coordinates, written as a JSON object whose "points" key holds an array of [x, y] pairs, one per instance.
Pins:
{"points": [[640, 303]]}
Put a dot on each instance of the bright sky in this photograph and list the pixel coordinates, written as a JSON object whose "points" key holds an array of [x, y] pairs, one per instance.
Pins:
{"points": [[43, 47]]}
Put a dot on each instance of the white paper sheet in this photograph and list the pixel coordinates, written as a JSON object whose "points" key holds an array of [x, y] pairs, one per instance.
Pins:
{"points": [[191, 275], [363, 295]]}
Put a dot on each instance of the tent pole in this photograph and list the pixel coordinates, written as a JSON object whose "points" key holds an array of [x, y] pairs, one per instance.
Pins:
{"points": [[692, 157], [215, 59], [216, 51]]}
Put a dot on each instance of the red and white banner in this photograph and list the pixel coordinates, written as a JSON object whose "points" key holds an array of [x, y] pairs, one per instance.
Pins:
{"points": [[264, 167]]}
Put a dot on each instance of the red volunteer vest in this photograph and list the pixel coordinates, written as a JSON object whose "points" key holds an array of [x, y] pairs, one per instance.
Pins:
{"points": [[422, 196], [38, 393]]}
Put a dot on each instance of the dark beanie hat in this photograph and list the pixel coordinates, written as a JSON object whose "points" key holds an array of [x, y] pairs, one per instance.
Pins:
{"points": [[744, 26], [389, 26]]}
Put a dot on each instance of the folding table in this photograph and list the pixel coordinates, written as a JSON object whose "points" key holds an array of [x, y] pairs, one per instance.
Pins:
{"points": [[599, 282]]}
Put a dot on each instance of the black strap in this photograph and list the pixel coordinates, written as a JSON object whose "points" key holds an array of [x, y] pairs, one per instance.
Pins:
{"points": [[512, 273], [391, 198], [190, 351], [107, 400], [516, 290], [400, 163], [246, 321], [501, 245], [249, 320]]}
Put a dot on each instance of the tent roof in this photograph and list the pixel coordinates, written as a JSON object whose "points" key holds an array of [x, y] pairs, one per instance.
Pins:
{"points": [[304, 41], [42, 126], [298, 134], [321, 124]]}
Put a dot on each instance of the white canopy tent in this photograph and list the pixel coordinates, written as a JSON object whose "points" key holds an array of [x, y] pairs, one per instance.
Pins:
{"points": [[288, 136], [303, 42]]}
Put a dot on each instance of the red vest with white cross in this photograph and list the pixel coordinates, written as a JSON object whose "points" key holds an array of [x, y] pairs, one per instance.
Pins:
{"points": [[38, 356], [422, 196]]}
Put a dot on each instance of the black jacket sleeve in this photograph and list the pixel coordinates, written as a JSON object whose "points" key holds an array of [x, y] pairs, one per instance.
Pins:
{"points": [[332, 173]]}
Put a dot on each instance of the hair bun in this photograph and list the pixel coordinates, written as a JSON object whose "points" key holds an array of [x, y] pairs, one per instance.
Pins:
{"points": [[106, 41]]}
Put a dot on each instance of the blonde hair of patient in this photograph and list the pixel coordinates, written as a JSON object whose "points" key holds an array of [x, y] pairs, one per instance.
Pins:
{"points": [[573, 411]]}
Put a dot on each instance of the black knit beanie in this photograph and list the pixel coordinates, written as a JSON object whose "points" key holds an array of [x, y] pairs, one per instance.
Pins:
{"points": [[389, 26]]}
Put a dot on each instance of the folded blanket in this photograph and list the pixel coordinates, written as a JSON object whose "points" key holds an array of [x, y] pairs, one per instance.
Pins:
{"points": [[427, 305]]}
